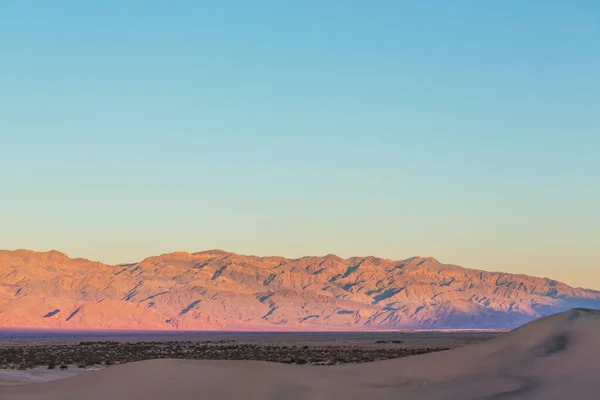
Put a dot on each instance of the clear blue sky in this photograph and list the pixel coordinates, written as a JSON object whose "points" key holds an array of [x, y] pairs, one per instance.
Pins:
{"points": [[464, 130]]}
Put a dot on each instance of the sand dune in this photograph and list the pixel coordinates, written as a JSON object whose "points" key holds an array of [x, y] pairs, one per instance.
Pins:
{"points": [[39, 374], [555, 357]]}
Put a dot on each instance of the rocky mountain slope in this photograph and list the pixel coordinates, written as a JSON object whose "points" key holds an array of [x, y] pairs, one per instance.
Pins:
{"points": [[220, 290]]}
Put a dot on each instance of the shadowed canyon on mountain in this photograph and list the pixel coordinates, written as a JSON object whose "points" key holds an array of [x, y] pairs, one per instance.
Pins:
{"points": [[220, 290]]}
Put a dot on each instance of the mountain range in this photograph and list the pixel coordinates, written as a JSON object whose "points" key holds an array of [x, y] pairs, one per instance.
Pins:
{"points": [[218, 290]]}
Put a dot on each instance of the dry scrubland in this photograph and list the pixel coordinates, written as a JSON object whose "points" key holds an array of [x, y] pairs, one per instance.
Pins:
{"points": [[90, 354], [294, 348]]}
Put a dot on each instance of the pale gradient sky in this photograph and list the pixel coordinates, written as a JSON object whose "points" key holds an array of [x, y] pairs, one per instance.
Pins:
{"points": [[464, 130]]}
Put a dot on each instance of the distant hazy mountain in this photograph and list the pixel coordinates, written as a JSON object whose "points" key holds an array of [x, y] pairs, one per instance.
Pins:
{"points": [[220, 290]]}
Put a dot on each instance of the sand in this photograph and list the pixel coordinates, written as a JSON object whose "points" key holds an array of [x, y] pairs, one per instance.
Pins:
{"points": [[553, 358], [39, 374]]}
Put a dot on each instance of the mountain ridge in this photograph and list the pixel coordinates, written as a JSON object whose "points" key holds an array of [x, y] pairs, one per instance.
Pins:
{"points": [[216, 289]]}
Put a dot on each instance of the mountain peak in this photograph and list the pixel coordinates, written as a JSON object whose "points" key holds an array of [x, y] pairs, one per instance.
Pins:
{"points": [[214, 253], [33, 253], [332, 257]]}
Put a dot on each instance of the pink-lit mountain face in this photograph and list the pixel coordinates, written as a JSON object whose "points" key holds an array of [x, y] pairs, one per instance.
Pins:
{"points": [[220, 290]]}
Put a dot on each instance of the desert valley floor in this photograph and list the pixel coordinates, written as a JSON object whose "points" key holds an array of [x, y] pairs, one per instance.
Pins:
{"points": [[25, 356], [552, 358]]}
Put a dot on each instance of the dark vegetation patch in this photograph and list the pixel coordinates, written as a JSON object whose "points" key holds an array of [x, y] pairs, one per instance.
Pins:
{"points": [[90, 353]]}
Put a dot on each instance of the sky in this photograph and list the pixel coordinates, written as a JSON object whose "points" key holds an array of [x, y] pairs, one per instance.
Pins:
{"points": [[464, 130]]}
